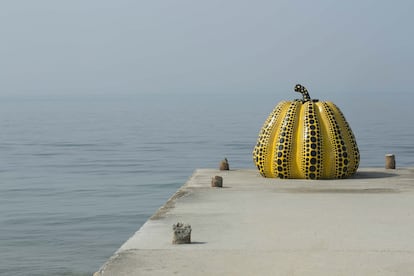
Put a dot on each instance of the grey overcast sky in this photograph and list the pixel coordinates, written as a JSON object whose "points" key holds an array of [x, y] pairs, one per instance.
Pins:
{"points": [[215, 46]]}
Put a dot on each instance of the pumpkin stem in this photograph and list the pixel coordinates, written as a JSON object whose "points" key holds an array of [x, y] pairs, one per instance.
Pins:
{"points": [[301, 89]]}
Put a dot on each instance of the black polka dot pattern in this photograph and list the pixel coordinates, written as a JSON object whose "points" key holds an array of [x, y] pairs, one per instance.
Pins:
{"points": [[260, 153], [301, 89], [339, 147], [283, 149], [306, 139], [350, 159], [312, 144]]}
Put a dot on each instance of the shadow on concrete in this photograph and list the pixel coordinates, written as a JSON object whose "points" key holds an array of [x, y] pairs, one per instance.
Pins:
{"points": [[368, 174], [196, 242]]}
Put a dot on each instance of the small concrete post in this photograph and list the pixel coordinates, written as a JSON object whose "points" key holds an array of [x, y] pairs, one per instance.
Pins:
{"points": [[182, 233], [224, 165], [217, 181], [390, 161]]}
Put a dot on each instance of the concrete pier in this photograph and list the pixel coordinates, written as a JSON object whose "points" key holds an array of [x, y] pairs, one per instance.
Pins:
{"points": [[258, 226]]}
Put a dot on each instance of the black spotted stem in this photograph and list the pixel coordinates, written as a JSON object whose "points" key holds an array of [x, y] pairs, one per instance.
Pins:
{"points": [[301, 89]]}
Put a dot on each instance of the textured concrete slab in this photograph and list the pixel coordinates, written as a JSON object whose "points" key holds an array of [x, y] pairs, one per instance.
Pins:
{"points": [[258, 226]]}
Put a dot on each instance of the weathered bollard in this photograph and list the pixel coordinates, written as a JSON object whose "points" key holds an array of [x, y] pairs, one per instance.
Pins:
{"points": [[390, 161], [224, 165], [182, 233], [217, 181]]}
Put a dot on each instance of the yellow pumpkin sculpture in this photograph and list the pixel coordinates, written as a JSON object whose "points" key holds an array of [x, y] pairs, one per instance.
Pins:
{"points": [[307, 139]]}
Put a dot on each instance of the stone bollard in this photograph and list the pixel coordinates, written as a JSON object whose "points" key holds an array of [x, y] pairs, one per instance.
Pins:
{"points": [[224, 165], [182, 233], [217, 181], [390, 161]]}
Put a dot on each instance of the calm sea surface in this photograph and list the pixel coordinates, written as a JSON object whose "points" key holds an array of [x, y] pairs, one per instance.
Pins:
{"points": [[78, 176]]}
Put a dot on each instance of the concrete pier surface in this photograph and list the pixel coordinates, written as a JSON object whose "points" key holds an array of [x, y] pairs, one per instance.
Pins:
{"points": [[259, 226]]}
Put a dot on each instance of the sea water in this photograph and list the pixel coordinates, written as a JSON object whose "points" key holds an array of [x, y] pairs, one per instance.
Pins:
{"points": [[79, 175]]}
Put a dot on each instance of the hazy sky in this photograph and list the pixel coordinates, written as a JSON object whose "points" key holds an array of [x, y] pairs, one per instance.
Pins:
{"points": [[201, 47]]}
